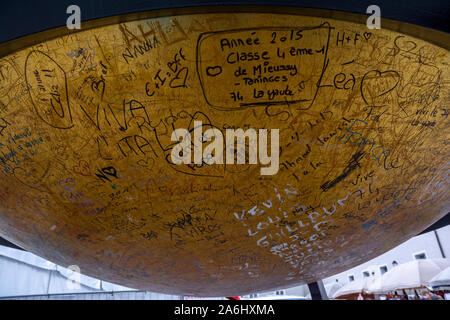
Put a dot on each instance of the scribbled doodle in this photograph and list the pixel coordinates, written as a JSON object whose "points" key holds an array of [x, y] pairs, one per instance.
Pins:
{"points": [[47, 86], [82, 168]]}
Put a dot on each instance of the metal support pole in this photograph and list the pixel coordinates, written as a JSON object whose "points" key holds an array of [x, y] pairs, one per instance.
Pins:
{"points": [[49, 279], [439, 244], [317, 290]]}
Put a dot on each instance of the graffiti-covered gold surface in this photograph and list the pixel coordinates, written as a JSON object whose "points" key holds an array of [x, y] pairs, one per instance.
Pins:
{"points": [[86, 174]]}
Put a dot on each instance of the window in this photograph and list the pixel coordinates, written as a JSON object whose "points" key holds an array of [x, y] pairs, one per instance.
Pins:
{"points": [[366, 274], [253, 295], [420, 255], [280, 292], [383, 269], [351, 278]]}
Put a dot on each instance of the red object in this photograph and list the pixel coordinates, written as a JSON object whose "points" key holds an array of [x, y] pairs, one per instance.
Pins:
{"points": [[233, 298]]}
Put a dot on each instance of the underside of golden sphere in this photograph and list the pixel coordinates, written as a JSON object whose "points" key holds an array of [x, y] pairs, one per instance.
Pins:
{"points": [[89, 172]]}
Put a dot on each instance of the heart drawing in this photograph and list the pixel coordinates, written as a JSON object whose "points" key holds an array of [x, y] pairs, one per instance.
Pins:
{"points": [[82, 168], [376, 84]]}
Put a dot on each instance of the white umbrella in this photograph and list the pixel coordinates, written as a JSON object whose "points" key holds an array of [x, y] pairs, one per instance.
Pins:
{"points": [[442, 279], [356, 286], [410, 275]]}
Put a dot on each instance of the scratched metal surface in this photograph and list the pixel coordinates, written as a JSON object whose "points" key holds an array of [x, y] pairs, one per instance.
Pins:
{"points": [[85, 127]]}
